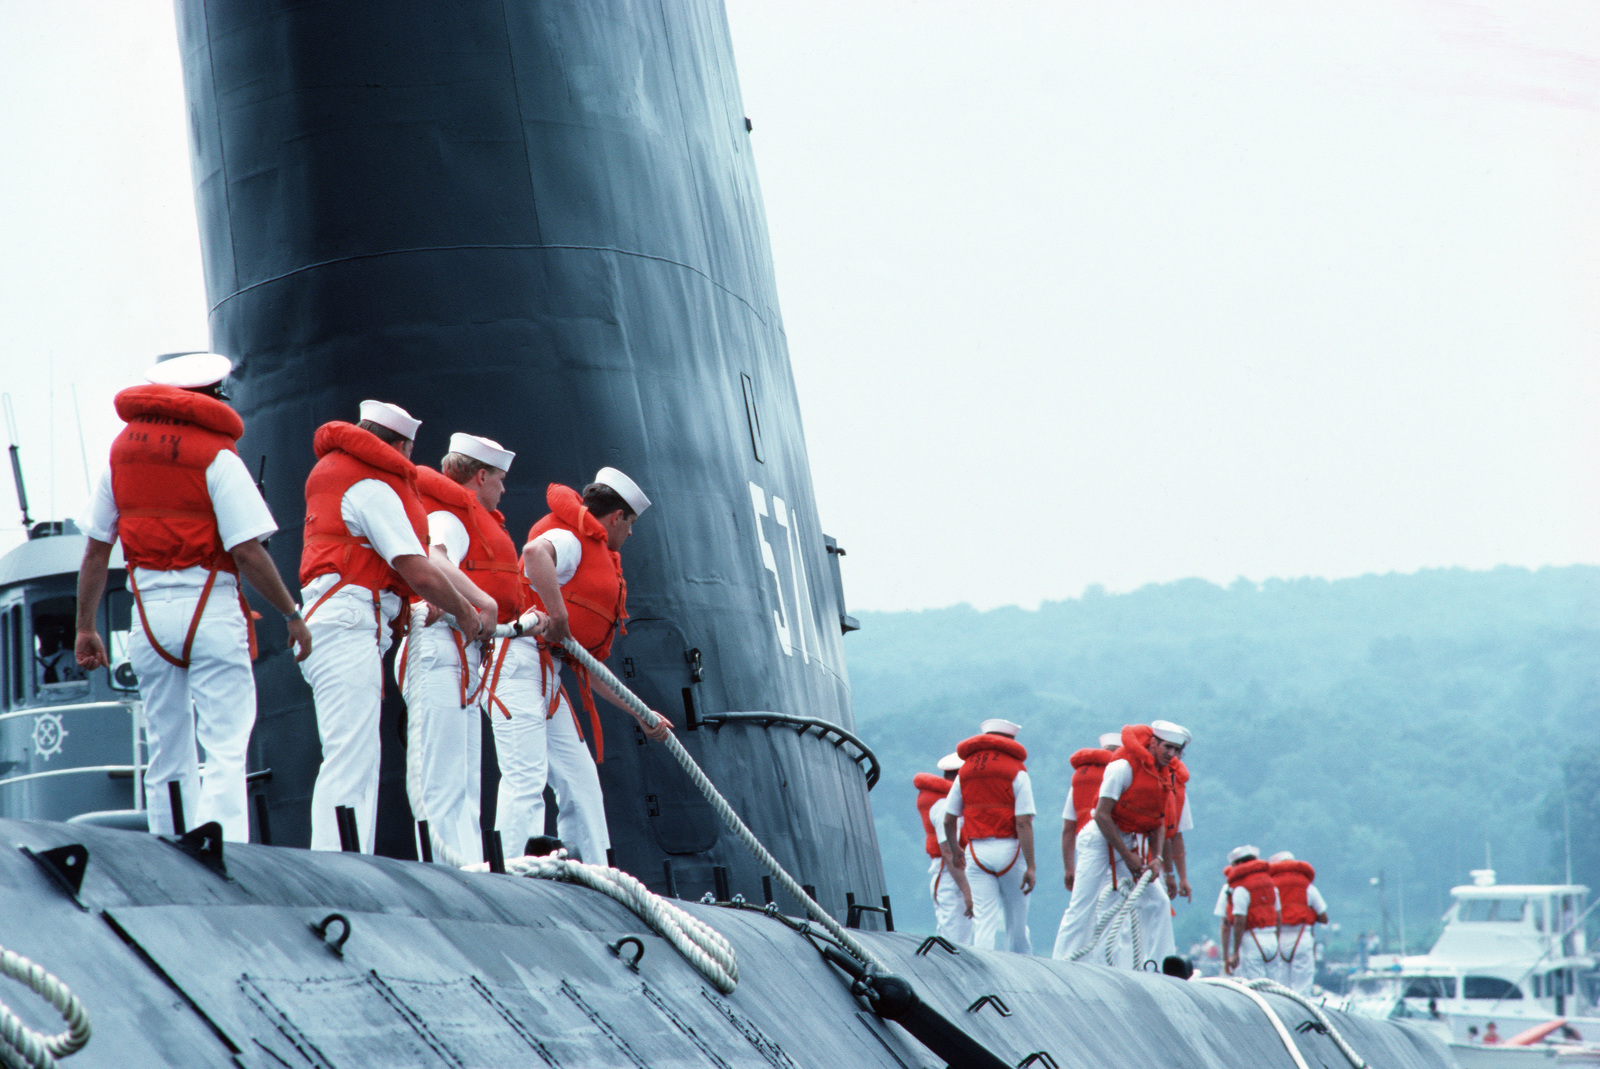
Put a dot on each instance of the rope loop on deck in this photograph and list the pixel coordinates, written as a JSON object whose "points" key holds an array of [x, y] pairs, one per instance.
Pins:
{"points": [[21, 1045]]}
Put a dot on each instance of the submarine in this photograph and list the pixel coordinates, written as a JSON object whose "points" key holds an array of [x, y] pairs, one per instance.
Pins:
{"points": [[536, 221]]}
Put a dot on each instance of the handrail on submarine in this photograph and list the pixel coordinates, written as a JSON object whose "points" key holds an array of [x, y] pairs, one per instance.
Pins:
{"points": [[805, 723]]}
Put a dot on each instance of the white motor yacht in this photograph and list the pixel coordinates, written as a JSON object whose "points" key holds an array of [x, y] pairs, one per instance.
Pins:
{"points": [[1511, 955]]}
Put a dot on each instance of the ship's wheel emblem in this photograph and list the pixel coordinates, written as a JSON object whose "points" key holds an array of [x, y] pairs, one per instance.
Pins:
{"points": [[48, 735]]}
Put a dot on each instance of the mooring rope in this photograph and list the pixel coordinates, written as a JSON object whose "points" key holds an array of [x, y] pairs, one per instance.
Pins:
{"points": [[21, 1045]]}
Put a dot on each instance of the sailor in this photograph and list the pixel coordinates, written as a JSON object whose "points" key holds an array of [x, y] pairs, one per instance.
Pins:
{"points": [[438, 670], [1248, 906], [1179, 819], [362, 558], [1088, 768], [573, 562], [1300, 909], [994, 795], [947, 883], [191, 522], [1122, 841]]}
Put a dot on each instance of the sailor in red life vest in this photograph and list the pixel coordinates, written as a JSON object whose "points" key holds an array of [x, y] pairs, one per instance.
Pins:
{"points": [[947, 883], [362, 559], [1248, 906], [1300, 910], [573, 562], [440, 677], [1088, 767], [993, 800], [1180, 818], [191, 522], [1124, 838]]}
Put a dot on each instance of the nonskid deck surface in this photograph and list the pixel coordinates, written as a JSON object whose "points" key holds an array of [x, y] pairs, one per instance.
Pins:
{"points": [[181, 965]]}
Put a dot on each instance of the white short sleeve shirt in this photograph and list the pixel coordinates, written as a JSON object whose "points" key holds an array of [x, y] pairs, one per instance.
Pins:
{"points": [[242, 515], [936, 814], [445, 529], [568, 550], [371, 510], [1314, 900], [1241, 902]]}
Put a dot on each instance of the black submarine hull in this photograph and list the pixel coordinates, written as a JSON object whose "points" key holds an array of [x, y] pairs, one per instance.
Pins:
{"points": [[540, 222], [186, 963]]}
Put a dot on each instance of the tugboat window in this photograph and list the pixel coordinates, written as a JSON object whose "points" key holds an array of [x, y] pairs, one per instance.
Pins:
{"points": [[54, 629], [16, 670]]}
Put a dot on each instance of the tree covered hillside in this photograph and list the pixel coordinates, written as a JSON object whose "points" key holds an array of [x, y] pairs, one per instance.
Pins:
{"points": [[1399, 724]]}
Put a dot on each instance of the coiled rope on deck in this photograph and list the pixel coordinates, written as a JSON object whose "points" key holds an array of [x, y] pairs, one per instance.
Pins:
{"points": [[21, 1045], [705, 947], [1249, 988]]}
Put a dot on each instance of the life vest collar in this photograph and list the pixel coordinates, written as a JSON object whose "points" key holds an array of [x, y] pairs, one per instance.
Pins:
{"points": [[364, 446], [437, 484], [170, 402], [927, 781], [1092, 756], [1001, 743], [1236, 874], [1135, 748], [1286, 868], [568, 507]]}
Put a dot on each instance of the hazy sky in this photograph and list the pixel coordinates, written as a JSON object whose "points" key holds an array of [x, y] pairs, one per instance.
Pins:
{"points": [[1075, 292]]}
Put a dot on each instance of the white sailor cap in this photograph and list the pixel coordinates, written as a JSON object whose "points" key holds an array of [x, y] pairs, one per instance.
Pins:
{"points": [[394, 417], [950, 763], [190, 371], [1111, 740], [999, 727], [1167, 731], [486, 450], [1239, 853], [1282, 855], [625, 487]]}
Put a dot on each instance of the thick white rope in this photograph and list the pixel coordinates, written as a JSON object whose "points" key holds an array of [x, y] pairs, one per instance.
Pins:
{"points": [[1273, 987], [705, 947], [1277, 1023], [1110, 921], [415, 741], [22, 1045], [648, 717]]}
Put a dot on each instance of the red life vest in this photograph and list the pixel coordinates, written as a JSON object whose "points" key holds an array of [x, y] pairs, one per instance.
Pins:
{"points": [[1143, 806], [1088, 769], [596, 595], [492, 561], [930, 789], [1255, 877], [165, 518], [1292, 878], [346, 455], [1177, 779], [988, 803]]}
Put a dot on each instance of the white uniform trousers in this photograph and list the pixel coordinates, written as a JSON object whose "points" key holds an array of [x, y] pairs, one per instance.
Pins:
{"points": [[1093, 873], [994, 872], [949, 908], [581, 815], [345, 671], [1296, 964], [213, 701], [450, 734], [516, 712], [1258, 952]]}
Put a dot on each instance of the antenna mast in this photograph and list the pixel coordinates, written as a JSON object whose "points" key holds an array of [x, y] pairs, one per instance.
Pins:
{"points": [[16, 463]]}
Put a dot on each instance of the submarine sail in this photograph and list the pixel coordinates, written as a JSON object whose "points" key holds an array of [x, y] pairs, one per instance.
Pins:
{"points": [[540, 223]]}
